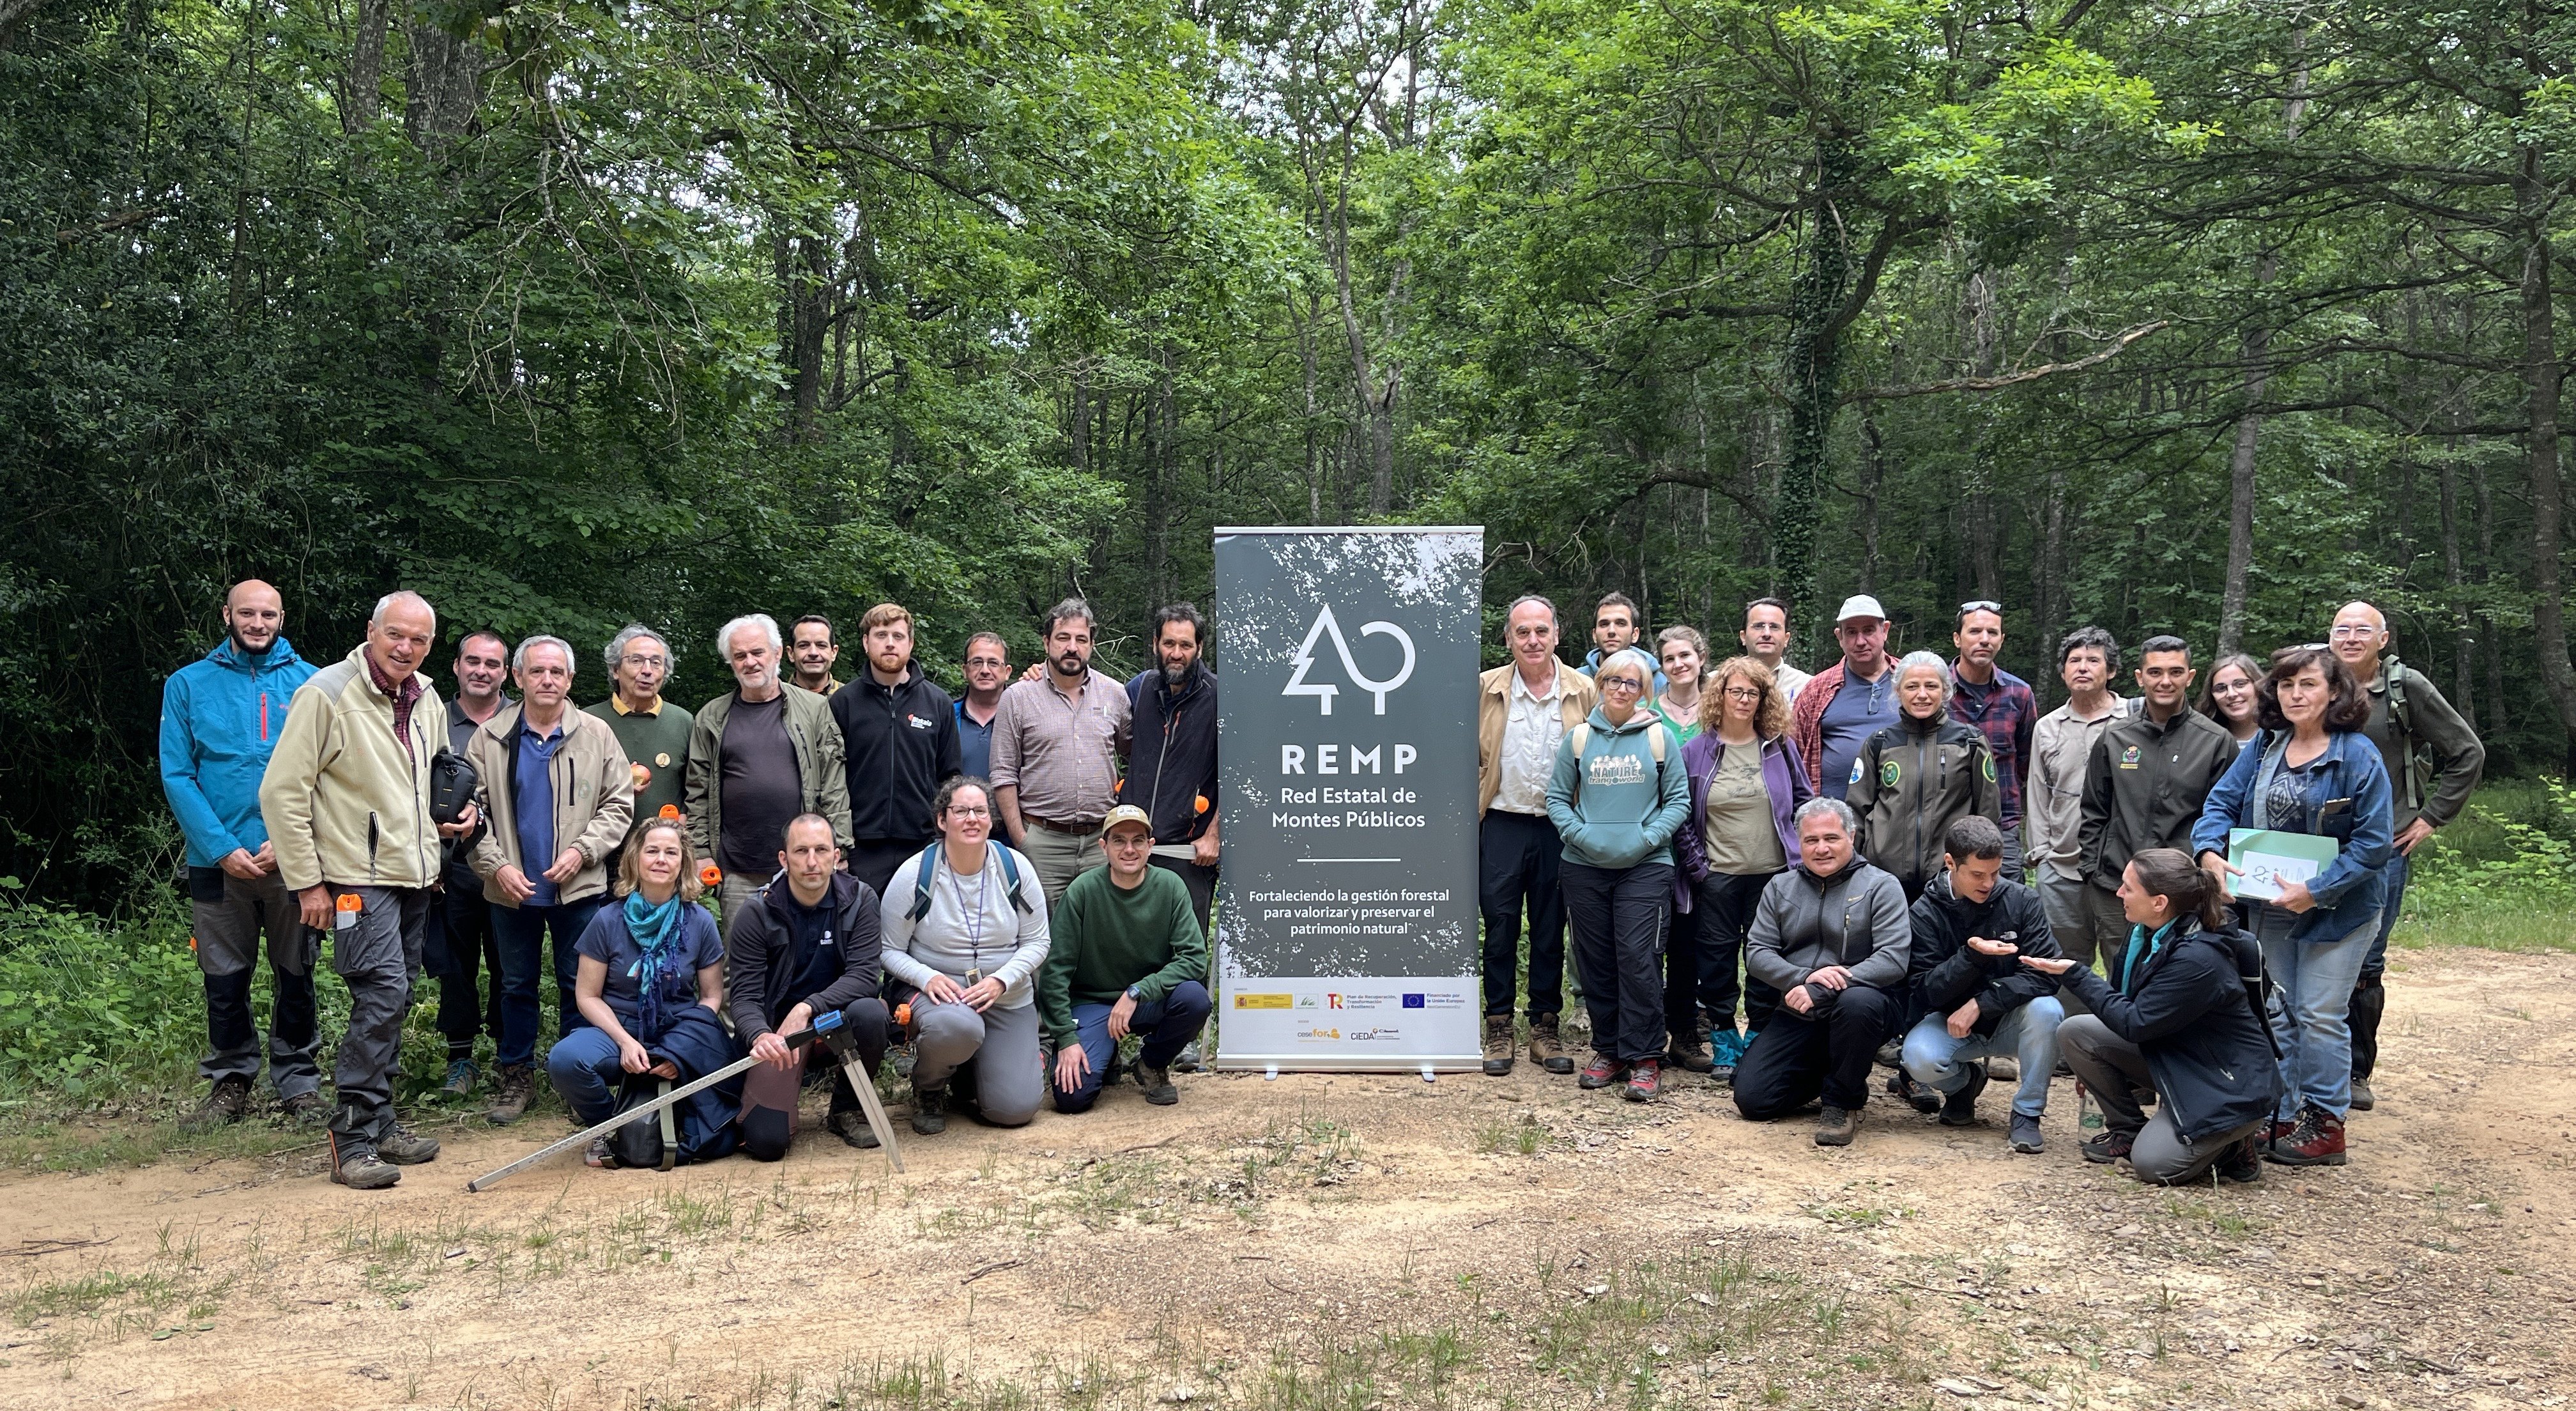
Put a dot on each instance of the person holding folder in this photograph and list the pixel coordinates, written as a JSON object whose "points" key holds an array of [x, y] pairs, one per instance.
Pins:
{"points": [[2313, 772]]}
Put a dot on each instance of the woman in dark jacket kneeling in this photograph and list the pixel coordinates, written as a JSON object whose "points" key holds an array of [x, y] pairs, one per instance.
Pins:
{"points": [[2175, 1018]]}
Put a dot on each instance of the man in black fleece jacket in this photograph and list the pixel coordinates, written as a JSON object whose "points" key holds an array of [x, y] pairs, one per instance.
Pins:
{"points": [[898, 742], [1969, 997], [807, 944]]}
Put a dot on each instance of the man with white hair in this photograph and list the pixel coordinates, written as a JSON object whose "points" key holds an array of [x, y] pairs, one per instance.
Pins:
{"points": [[558, 798], [759, 755], [654, 733], [346, 800]]}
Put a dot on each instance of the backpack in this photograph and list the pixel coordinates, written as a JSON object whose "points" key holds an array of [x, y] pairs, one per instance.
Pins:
{"points": [[2257, 982], [1581, 736], [2414, 771], [929, 860]]}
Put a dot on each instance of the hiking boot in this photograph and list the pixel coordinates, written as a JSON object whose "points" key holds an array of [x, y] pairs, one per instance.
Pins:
{"points": [[2317, 1140], [851, 1125], [1725, 1051], [1190, 1059], [2243, 1163], [460, 1079], [2112, 1145], [2026, 1136], [2363, 1099], [1645, 1080], [364, 1172], [601, 1156], [518, 1084], [1959, 1109], [224, 1105], [1498, 1045], [1545, 1050], [1901, 1084], [1690, 1052], [1601, 1072], [405, 1147], [1835, 1126], [1157, 1083], [2276, 1129], [1891, 1054], [930, 1110], [303, 1110]]}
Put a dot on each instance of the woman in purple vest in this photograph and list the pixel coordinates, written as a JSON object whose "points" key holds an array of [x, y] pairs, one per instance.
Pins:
{"points": [[1746, 782]]}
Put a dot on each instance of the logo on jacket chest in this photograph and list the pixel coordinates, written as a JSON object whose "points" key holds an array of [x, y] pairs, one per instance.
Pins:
{"points": [[2129, 757], [915, 721], [1609, 769]]}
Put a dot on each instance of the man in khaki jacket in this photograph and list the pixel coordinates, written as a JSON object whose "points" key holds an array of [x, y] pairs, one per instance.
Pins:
{"points": [[1522, 712], [346, 800], [558, 795]]}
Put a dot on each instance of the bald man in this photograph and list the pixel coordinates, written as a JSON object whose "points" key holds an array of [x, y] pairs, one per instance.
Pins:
{"points": [[220, 718], [346, 797], [2434, 762]]}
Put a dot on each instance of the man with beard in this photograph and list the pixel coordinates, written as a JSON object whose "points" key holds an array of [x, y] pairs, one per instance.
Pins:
{"points": [[899, 738], [1171, 773], [220, 718], [462, 948], [1056, 747]]}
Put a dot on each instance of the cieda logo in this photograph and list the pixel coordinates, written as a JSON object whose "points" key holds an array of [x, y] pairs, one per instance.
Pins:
{"points": [[1305, 659]]}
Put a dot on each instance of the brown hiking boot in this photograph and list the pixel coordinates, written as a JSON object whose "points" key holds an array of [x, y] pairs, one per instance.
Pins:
{"points": [[1836, 1125], [1498, 1045], [404, 1147], [518, 1084], [1545, 1050], [224, 1105], [1689, 1051], [2317, 1140]]}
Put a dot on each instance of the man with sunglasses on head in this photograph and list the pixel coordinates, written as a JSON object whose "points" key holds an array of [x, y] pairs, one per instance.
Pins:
{"points": [[2001, 707]]}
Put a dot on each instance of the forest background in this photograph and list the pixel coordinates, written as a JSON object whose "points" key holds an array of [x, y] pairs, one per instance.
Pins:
{"points": [[2178, 317]]}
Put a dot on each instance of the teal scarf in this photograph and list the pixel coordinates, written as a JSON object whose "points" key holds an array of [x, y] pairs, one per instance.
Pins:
{"points": [[2138, 937], [652, 928]]}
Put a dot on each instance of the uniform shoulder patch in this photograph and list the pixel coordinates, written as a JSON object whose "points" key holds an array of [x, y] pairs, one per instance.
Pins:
{"points": [[1990, 767], [1856, 769], [1889, 771]]}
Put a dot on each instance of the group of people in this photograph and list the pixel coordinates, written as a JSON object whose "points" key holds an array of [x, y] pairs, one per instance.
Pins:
{"points": [[1902, 861], [1894, 860], [1010, 883]]}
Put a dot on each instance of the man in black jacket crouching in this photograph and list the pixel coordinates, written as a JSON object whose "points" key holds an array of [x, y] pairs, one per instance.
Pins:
{"points": [[1969, 993]]}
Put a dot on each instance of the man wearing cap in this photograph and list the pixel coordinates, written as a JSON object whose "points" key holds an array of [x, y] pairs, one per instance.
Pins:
{"points": [[1846, 703], [1125, 956]]}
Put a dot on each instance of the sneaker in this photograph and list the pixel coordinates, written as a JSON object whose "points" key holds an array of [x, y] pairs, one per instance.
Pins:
{"points": [[518, 1084], [2243, 1163], [1725, 1051], [460, 1079], [1498, 1045], [224, 1105], [1157, 1083], [405, 1147], [1601, 1072], [1544, 1047], [1959, 1109], [1190, 1059], [1836, 1125], [2317, 1140], [851, 1125], [600, 1157], [1891, 1054], [1645, 1080], [1689, 1051], [1901, 1084], [2026, 1136], [2110, 1146], [303, 1110], [930, 1110], [2363, 1099], [363, 1172]]}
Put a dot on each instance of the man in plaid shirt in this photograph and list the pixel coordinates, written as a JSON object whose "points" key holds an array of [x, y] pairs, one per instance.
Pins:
{"points": [[1999, 704]]}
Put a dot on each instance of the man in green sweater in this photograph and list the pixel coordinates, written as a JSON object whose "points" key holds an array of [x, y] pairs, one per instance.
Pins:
{"points": [[1125, 956], [656, 735]]}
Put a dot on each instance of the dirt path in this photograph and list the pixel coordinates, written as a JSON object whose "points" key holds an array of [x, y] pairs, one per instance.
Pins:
{"points": [[1352, 1243]]}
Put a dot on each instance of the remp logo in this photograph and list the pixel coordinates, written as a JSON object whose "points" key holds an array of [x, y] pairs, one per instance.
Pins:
{"points": [[1298, 685]]}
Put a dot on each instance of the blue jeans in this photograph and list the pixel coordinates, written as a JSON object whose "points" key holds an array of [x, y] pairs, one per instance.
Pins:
{"points": [[2312, 1009], [584, 1069], [521, 931], [1939, 1062], [1168, 1025], [2394, 870]]}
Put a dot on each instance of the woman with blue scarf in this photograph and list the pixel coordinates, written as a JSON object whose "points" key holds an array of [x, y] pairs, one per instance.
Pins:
{"points": [[650, 982], [2311, 770], [2175, 1021]]}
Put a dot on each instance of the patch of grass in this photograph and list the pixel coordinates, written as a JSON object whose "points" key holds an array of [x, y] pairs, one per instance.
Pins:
{"points": [[2501, 876]]}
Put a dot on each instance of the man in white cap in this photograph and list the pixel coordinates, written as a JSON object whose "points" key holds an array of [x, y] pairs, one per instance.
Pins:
{"points": [[1846, 703], [1125, 956]]}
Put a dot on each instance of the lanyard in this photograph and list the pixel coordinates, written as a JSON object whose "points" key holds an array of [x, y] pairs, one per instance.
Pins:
{"points": [[974, 919]]}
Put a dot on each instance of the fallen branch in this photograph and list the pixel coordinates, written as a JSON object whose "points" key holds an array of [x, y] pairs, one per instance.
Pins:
{"points": [[992, 1268], [32, 1248], [2119, 344]]}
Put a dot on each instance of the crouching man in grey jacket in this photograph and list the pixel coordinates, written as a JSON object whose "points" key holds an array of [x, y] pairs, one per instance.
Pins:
{"points": [[1830, 934]]}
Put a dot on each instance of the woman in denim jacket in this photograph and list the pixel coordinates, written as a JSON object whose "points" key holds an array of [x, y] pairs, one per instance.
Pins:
{"points": [[2312, 771]]}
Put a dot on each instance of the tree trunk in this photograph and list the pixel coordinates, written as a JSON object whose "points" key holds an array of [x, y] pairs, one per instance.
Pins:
{"points": [[1812, 371], [1985, 553], [1873, 474], [2540, 379], [2249, 427], [445, 86], [2464, 634], [363, 95]]}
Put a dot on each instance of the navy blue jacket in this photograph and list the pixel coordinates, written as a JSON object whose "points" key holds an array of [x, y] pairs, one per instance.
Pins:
{"points": [[2186, 1010], [2349, 798], [1944, 972], [897, 746], [1172, 763]]}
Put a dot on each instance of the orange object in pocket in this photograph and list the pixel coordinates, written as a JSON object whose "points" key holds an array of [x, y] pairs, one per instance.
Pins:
{"points": [[711, 876], [1200, 804], [349, 902]]}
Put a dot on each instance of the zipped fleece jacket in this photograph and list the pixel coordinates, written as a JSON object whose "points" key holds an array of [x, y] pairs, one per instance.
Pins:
{"points": [[1575, 698], [1910, 783], [345, 802], [1171, 760], [2185, 1008], [1784, 778], [820, 775], [761, 964], [594, 796], [1944, 973], [898, 744], [220, 718], [2144, 784], [1855, 918], [1614, 806]]}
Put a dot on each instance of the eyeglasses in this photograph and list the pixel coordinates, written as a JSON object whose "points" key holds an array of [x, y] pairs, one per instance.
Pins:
{"points": [[970, 813], [2343, 632], [1744, 693], [1623, 683], [639, 659], [996, 663]]}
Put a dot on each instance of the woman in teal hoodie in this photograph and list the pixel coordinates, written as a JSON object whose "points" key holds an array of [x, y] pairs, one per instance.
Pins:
{"points": [[1616, 796]]}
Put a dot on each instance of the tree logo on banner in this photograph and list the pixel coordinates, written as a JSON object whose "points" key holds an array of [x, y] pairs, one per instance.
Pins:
{"points": [[1305, 658]]}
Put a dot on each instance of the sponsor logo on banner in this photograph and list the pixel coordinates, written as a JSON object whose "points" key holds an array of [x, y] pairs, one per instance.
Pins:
{"points": [[1261, 1001], [1413, 1001]]}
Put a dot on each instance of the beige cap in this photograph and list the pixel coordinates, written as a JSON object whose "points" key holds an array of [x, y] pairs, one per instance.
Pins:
{"points": [[1861, 605], [1127, 813]]}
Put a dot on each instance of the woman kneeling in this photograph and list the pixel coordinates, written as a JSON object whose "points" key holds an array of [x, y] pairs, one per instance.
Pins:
{"points": [[650, 983]]}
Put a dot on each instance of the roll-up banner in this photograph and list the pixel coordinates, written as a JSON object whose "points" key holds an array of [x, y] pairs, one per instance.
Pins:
{"points": [[1347, 747]]}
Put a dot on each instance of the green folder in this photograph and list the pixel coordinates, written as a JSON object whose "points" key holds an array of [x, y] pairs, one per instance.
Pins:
{"points": [[2269, 858]]}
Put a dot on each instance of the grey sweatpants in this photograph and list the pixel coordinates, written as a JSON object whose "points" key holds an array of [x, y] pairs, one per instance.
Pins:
{"points": [[1009, 1079], [227, 931], [377, 955], [2109, 1066]]}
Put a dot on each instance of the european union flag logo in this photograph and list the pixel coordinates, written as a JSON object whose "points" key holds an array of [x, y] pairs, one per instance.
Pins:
{"points": [[1413, 1001]]}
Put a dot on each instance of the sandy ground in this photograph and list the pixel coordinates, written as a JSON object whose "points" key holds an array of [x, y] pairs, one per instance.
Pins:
{"points": [[1360, 1243]]}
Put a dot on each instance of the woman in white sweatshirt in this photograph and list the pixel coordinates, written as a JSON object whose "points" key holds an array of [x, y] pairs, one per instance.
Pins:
{"points": [[966, 929]]}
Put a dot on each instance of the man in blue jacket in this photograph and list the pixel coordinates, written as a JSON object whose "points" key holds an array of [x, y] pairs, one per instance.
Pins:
{"points": [[1171, 769], [220, 717]]}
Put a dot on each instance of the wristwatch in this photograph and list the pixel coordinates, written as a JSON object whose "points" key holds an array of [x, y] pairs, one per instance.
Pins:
{"points": [[1136, 993]]}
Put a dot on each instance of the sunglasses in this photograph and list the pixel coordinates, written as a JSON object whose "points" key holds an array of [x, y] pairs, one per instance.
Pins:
{"points": [[1980, 605]]}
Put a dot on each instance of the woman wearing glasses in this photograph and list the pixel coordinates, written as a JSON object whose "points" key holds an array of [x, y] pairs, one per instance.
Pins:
{"points": [[1616, 795], [2313, 771], [1745, 783], [2229, 696], [965, 931]]}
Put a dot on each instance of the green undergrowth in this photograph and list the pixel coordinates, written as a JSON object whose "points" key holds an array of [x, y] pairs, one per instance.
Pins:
{"points": [[2501, 876]]}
